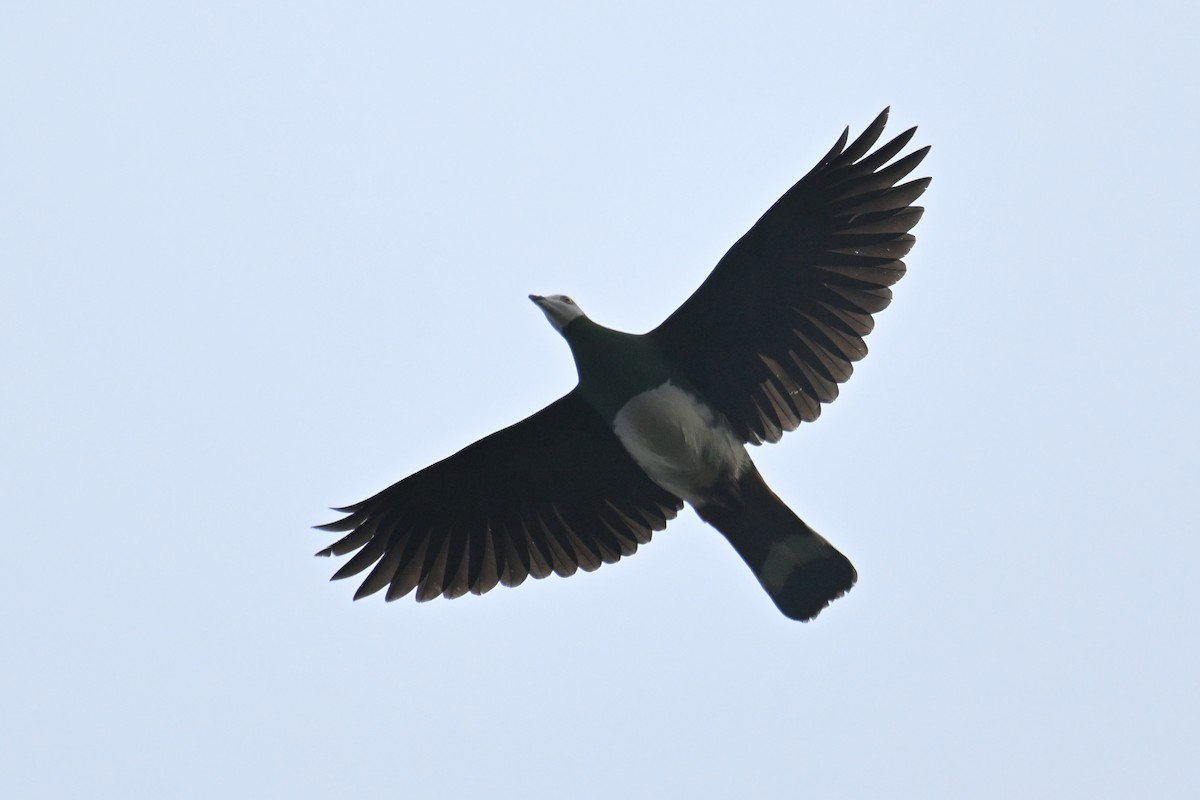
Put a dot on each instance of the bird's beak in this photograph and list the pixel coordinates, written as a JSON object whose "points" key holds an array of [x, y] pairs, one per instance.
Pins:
{"points": [[537, 298]]}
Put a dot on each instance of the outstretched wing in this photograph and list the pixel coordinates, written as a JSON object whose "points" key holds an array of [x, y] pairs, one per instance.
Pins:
{"points": [[552, 493], [778, 324]]}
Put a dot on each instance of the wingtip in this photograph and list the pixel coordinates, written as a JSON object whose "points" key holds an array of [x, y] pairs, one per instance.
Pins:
{"points": [[919, 154], [864, 141], [346, 523], [837, 148], [880, 120]]}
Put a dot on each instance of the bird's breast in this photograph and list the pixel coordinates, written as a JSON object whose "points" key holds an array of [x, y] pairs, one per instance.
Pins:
{"points": [[680, 442]]}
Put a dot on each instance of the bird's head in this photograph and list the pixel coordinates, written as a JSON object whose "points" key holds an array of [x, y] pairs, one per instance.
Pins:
{"points": [[558, 308]]}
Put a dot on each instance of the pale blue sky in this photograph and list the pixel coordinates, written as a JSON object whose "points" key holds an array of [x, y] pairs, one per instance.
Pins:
{"points": [[259, 259]]}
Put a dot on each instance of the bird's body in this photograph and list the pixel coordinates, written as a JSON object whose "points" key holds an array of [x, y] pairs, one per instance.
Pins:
{"points": [[661, 418], [689, 449], [680, 442]]}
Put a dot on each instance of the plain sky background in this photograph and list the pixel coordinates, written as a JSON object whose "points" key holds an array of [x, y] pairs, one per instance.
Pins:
{"points": [[258, 259]]}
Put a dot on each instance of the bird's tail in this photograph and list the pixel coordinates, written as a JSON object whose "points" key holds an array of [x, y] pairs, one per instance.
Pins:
{"points": [[801, 571]]}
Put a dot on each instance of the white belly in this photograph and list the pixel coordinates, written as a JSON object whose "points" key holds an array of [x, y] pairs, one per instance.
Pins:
{"points": [[679, 443]]}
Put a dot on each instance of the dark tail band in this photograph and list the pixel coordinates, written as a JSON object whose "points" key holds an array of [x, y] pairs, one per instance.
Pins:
{"points": [[801, 571]]}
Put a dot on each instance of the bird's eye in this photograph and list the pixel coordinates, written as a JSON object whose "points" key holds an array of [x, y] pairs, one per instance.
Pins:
{"points": [[568, 300]]}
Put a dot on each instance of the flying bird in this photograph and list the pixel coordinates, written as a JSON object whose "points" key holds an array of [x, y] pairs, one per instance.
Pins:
{"points": [[663, 418]]}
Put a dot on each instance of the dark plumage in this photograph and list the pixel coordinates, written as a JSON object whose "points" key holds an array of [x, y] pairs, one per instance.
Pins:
{"points": [[662, 417]]}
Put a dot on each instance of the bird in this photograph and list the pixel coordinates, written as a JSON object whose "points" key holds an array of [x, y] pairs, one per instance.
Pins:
{"points": [[663, 418]]}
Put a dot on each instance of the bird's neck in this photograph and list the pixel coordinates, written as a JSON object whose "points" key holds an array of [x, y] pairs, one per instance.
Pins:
{"points": [[614, 366]]}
